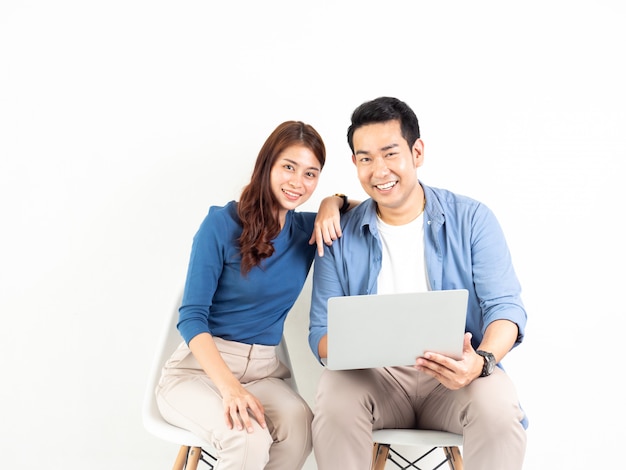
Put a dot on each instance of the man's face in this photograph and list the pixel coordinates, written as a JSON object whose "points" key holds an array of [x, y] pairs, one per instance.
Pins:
{"points": [[386, 166]]}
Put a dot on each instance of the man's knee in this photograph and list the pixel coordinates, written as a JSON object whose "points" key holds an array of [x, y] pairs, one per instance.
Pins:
{"points": [[498, 415], [340, 400]]}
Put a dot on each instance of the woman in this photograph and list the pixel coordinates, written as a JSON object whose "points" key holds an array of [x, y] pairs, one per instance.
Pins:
{"points": [[248, 264]]}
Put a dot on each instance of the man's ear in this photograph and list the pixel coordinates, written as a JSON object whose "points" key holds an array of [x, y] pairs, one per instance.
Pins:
{"points": [[418, 153], [354, 159]]}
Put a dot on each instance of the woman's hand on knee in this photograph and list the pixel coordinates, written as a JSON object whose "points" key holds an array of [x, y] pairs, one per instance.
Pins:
{"points": [[239, 405]]}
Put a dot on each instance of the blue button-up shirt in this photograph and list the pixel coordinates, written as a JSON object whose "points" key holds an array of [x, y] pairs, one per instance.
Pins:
{"points": [[465, 248]]}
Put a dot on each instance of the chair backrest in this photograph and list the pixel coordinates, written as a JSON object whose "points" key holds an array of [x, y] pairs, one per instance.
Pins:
{"points": [[169, 340]]}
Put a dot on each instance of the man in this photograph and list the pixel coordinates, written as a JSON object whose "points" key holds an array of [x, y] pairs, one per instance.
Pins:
{"points": [[411, 237]]}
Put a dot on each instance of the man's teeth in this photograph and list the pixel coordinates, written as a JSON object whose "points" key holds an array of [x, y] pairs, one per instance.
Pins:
{"points": [[386, 185]]}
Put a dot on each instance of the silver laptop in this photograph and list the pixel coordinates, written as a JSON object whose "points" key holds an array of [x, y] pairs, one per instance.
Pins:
{"points": [[366, 331]]}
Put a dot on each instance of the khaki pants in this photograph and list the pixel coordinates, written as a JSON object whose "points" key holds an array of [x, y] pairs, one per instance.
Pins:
{"points": [[350, 404], [187, 398]]}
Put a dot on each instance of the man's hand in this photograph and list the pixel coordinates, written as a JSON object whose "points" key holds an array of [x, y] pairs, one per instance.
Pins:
{"points": [[451, 373]]}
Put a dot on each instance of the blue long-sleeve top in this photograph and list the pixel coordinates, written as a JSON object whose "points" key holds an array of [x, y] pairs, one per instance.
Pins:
{"points": [[465, 248], [250, 309]]}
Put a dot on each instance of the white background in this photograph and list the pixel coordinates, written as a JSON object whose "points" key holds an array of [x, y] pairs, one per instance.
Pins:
{"points": [[121, 122]]}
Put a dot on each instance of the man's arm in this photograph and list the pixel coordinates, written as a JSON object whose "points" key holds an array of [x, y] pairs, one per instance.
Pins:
{"points": [[501, 308], [326, 284], [500, 336], [322, 347]]}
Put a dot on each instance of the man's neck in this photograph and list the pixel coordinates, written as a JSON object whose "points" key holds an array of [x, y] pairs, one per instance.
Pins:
{"points": [[404, 214]]}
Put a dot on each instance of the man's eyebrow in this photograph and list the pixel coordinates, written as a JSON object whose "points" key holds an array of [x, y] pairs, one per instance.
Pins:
{"points": [[389, 147], [383, 149]]}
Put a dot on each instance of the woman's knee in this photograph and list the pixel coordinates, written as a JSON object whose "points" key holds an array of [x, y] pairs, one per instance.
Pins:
{"points": [[246, 450], [294, 419]]}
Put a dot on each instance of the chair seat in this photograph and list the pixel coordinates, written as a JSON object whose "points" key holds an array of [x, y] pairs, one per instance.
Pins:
{"points": [[411, 437], [158, 427], [386, 439]]}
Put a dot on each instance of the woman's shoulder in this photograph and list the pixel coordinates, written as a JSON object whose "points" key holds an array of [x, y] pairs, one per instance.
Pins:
{"points": [[222, 216], [304, 220], [228, 210]]}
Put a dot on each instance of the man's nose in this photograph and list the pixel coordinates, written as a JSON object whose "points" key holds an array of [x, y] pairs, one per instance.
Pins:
{"points": [[380, 167]]}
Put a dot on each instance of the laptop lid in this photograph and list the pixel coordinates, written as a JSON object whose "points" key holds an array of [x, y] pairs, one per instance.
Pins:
{"points": [[366, 331]]}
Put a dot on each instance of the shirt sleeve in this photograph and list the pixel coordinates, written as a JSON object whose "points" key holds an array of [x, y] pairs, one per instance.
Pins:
{"points": [[495, 280], [326, 284], [205, 266]]}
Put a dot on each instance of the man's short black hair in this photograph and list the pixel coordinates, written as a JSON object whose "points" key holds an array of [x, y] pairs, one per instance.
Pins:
{"points": [[385, 109]]}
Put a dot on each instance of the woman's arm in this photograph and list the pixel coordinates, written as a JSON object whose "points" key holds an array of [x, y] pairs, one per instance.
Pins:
{"points": [[327, 223], [236, 399]]}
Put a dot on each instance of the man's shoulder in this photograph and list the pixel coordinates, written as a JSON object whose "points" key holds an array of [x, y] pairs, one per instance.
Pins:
{"points": [[448, 199], [354, 218]]}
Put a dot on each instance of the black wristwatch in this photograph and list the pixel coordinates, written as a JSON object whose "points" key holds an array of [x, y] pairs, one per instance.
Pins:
{"points": [[346, 203], [490, 362]]}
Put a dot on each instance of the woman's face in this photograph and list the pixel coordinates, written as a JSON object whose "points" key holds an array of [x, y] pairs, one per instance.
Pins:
{"points": [[294, 177]]}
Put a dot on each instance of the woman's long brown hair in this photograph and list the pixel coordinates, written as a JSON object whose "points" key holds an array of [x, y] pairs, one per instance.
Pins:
{"points": [[258, 208]]}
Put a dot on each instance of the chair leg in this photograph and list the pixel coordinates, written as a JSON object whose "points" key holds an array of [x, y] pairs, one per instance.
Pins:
{"points": [[455, 461], [380, 455], [194, 457], [181, 458], [188, 458]]}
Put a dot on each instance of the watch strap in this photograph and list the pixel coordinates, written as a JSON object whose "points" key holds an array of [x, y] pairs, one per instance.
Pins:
{"points": [[489, 362]]}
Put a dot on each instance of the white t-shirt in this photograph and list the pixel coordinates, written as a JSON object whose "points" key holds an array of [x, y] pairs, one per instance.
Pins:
{"points": [[403, 268]]}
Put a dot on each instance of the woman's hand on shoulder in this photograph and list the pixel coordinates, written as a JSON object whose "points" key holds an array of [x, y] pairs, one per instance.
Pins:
{"points": [[327, 226]]}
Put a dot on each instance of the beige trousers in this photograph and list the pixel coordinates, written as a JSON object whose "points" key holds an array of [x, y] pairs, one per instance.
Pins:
{"points": [[350, 404], [189, 399]]}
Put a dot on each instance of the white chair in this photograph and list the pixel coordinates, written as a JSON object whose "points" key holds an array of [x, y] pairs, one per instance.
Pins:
{"points": [[385, 439], [192, 449]]}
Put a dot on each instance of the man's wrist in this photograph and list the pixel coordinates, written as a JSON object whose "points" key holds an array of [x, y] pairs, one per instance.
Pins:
{"points": [[489, 363]]}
